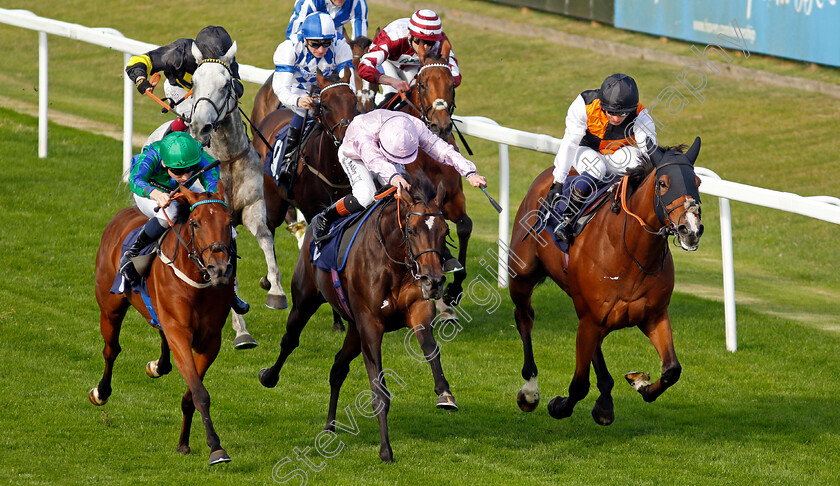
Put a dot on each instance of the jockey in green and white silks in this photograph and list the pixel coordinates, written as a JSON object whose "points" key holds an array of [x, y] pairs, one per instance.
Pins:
{"points": [[315, 47]]}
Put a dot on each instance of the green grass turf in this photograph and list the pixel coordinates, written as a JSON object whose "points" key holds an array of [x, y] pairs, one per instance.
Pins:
{"points": [[764, 414]]}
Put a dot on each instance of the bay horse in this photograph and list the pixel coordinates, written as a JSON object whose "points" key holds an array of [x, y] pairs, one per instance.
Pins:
{"points": [[191, 293], [320, 180], [215, 122], [432, 99], [392, 272], [619, 273]]}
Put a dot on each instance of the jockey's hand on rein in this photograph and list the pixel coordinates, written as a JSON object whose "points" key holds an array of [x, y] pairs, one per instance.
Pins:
{"points": [[143, 84], [554, 192]]}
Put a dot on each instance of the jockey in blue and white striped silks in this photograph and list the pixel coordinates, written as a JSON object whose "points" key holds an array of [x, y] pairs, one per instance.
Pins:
{"points": [[354, 12]]}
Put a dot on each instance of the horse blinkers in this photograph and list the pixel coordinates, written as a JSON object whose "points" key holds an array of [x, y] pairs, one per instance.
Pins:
{"points": [[676, 190]]}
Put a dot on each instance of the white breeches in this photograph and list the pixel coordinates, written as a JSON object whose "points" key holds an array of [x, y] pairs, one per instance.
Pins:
{"points": [[606, 167], [177, 93], [392, 70], [361, 179]]}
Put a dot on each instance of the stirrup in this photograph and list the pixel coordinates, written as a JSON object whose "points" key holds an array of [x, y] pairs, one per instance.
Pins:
{"points": [[240, 306], [452, 265], [562, 232]]}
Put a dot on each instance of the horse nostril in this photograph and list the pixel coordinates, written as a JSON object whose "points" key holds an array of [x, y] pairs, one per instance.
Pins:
{"points": [[682, 229], [700, 231]]}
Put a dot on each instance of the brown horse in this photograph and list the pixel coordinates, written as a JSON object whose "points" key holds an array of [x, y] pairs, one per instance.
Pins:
{"points": [[266, 101], [191, 293], [432, 99], [390, 275], [619, 273]]}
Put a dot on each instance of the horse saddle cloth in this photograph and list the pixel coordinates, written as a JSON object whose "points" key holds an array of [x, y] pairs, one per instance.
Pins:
{"points": [[597, 199], [143, 264], [336, 247], [274, 156]]}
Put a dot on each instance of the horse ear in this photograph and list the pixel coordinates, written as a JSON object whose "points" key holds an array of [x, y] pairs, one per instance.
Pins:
{"points": [[191, 196], [445, 49], [319, 76], [441, 194], [196, 52], [346, 77], [220, 190], [230, 55], [694, 151], [653, 152]]}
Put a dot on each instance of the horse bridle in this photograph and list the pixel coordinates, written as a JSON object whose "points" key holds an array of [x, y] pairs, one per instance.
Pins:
{"points": [[437, 105], [344, 122], [410, 261], [193, 252], [229, 94]]}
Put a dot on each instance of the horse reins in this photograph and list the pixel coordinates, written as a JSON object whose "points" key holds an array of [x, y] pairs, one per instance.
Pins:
{"points": [[411, 257], [194, 253]]}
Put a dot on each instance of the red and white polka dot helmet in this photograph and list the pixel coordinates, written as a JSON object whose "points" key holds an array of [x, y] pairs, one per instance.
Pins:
{"points": [[426, 25]]}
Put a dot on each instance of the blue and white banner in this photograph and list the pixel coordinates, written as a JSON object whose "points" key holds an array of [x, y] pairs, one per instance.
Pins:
{"points": [[806, 30]]}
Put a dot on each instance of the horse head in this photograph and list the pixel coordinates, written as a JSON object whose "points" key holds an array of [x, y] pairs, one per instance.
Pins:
{"points": [[677, 199], [365, 90], [213, 94], [424, 232], [433, 92], [210, 241], [337, 106]]}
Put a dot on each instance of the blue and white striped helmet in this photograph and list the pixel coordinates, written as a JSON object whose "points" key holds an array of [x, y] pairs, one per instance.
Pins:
{"points": [[318, 25]]}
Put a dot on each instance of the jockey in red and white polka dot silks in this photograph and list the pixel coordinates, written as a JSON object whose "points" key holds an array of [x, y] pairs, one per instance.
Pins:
{"points": [[393, 55]]}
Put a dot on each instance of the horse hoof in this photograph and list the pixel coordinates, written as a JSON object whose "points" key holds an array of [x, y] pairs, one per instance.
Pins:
{"points": [[603, 416], [152, 369], [638, 380], [265, 284], [244, 341], [338, 326], [94, 397], [556, 408], [447, 402], [267, 382], [184, 449], [219, 456], [524, 404], [276, 302]]}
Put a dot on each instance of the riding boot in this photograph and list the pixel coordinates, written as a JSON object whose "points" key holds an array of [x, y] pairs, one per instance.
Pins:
{"points": [[292, 141], [322, 222], [564, 231], [240, 306], [150, 232], [450, 263]]}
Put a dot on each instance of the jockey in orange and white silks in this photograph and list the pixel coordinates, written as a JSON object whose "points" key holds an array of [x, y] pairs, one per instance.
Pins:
{"points": [[379, 143], [316, 46], [392, 60], [353, 12], [604, 129]]}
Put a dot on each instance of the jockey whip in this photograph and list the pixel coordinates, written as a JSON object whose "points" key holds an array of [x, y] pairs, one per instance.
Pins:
{"points": [[192, 179], [154, 81], [495, 204]]}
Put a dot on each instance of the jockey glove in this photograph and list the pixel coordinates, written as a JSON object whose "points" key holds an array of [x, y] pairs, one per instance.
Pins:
{"points": [[142, 85]]}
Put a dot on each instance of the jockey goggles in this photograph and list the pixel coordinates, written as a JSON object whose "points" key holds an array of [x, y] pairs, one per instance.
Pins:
{"points": [[619, 113], [315, 44], [178, 171], [427, 43]]}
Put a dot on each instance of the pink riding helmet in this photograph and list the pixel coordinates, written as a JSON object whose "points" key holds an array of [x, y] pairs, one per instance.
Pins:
{"points": [[398, 140]]}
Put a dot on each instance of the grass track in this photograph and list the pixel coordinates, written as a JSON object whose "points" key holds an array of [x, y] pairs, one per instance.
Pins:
{"points": [[764, 414]]}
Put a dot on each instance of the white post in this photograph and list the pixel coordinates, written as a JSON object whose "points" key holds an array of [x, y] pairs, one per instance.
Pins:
{"points": [[43, 93], [128, 120], [728, 275], [504, 216]]}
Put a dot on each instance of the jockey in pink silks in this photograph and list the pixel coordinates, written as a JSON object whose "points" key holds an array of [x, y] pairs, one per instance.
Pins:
{"points": [[378, 144]]}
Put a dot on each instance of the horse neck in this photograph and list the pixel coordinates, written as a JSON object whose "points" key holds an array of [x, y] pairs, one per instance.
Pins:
{"points": [[390, 228], [229, 139], [641, 203], [172, 248]]}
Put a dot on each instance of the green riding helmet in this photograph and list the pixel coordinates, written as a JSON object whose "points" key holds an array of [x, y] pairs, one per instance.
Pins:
{"points": [[180, 151]]}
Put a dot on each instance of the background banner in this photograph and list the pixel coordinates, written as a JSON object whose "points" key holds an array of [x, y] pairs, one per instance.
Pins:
{"points": [[806, 30]]}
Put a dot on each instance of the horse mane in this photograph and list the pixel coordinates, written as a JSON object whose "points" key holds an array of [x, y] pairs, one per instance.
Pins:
{"points": [[637, 175], [422, 188]]}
